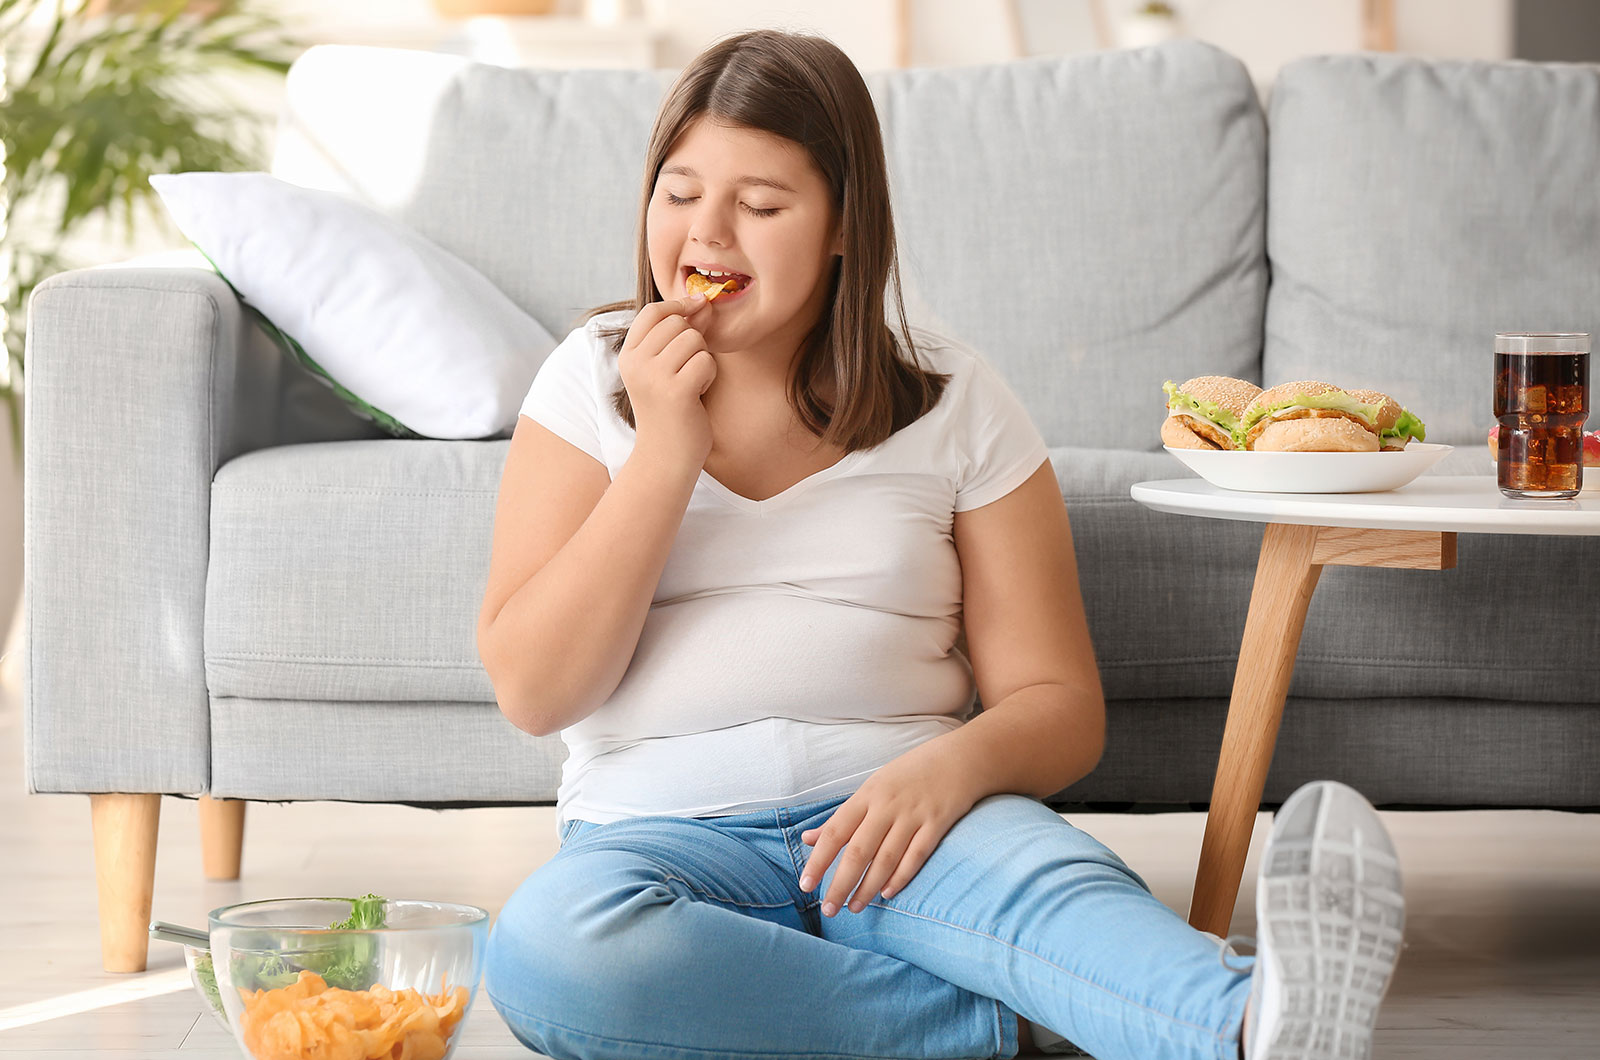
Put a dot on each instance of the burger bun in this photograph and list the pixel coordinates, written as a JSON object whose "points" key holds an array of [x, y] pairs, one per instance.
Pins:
{"points": [[1318, 435], [1224, 391]]}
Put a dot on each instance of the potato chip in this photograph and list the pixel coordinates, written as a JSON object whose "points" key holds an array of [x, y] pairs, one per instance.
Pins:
{"points": [[308, 1020], [698, 284]]}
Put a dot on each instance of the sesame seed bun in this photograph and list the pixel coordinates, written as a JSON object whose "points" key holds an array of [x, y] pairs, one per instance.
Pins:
{"points": [[1320, 434], [1232, 394], [1388, 414], [1285, 393]]}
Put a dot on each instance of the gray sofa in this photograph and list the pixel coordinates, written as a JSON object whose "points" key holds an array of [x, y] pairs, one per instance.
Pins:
{"points": [[235, 587]]}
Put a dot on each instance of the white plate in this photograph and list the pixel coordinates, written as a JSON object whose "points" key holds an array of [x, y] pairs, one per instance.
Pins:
{"points": [[1311, 472]]}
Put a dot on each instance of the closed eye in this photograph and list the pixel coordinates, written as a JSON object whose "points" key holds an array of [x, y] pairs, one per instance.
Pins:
{"points": [[676, 201]]}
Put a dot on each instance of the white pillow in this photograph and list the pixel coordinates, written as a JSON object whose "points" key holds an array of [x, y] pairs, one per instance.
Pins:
{"points": [[411, 336]]}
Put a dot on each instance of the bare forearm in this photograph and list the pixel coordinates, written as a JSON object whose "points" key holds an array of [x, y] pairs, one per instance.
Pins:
{"points": [[1036, 741]]}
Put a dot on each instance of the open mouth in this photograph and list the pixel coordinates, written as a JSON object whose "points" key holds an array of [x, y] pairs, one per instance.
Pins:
{"points": [[717, 286]]}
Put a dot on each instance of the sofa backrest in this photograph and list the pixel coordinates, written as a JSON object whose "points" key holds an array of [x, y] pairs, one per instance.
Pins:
{"points": [[1092, 224], [1416, 208]]}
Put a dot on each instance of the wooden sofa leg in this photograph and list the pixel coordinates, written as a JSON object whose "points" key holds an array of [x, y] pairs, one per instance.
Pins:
{"points": [[125, 829], [221, 836]]}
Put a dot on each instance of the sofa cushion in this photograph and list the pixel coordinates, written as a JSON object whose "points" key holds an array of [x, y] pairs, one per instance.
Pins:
{"points": [[1416, 208], [1093, 224], [353, 572]]}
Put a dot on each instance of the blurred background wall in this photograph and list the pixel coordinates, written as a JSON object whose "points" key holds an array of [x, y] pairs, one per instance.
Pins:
{"points": [[1264, 34]]}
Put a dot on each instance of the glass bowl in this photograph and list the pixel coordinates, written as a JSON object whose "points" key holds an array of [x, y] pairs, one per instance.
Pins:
{"points": [[204, 978], [292, 985]]}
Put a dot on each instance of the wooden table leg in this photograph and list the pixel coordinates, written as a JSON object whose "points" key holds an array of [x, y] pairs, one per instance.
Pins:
{"points": [[125, 873], [221, 836], [1285, 579], [1292, 558]]}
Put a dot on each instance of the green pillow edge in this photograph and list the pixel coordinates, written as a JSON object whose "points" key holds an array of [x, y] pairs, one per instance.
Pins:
{"points": [[287, 344]]}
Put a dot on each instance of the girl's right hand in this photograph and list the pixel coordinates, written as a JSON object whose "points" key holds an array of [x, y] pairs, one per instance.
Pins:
{"points": [[666, 368]]}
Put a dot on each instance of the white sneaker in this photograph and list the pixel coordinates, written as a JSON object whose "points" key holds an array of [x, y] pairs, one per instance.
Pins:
{"points": [[1329, 921]]}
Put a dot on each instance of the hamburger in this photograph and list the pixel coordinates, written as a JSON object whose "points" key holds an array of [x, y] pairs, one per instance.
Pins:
{"points": [[1309, 416], [1205, 412]]}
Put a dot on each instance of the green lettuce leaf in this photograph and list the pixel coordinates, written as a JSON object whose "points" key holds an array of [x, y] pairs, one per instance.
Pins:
{"points": [[1407, 424], [1336, 400], [350, 964], [262, 971], [206, 972], [365, 913], [343, 962], [1178, 400]]}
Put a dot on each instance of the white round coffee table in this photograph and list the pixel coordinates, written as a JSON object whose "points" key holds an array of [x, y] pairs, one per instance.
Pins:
{"points": [[1414, 526]]}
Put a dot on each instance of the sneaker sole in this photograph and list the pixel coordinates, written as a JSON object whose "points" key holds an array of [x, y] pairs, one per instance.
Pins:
{"points": [[1330, 916]]}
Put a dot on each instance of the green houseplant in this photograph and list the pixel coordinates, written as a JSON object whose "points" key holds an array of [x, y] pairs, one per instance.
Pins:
{"points": [[94, 98]]}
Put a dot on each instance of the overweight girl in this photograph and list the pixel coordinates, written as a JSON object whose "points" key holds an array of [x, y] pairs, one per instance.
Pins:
{"points": [[738, 541]]}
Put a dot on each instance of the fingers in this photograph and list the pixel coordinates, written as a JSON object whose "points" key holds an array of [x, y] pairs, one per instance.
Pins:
{"points": [[645, 321], [830, 838], [685, 345], [673, 312], [859, 848], [890, 856], [892, 860]]}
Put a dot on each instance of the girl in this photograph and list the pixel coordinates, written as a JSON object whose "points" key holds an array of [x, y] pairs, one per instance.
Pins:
{"points": [[736, 542]]}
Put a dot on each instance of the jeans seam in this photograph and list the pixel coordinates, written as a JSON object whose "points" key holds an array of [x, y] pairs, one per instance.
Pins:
{"points": [[1219, 1037], [734, 1055], [794, 862]]}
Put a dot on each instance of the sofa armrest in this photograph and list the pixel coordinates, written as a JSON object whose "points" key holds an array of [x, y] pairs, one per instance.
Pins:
{"points": [[140, 382]]}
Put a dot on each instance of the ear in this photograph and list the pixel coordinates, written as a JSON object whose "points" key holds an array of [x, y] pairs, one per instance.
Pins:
{"points": [[838, 243]]}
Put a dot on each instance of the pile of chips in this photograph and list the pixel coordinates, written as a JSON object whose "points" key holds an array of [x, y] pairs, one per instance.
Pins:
{"points": [[309, 1019]]}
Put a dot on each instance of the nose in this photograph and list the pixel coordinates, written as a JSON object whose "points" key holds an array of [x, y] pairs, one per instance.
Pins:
{"points": [[710, 226]]}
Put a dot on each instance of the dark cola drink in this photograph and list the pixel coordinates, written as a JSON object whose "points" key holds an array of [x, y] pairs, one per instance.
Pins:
{"points": [[1541, 398]]}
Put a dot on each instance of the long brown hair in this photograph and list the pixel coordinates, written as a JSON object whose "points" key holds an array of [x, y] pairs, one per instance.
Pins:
{"points": [[804, 89]]}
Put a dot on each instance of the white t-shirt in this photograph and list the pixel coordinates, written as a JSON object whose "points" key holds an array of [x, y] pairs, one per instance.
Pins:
{"points": [[797, 643]]}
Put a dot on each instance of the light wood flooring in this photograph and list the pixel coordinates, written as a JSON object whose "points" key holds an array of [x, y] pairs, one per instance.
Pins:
{"points": [[1503, 932]]}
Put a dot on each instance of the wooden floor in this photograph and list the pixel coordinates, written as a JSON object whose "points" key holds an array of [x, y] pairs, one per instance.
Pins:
{"points": [[1503, 934]]}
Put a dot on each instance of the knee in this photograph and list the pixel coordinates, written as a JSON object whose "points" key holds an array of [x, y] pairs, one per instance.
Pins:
{"points": [[1019, 829], [571, 925], [539, 939]]}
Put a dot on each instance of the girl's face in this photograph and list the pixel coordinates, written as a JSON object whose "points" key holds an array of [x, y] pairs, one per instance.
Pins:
{"points": [[734, 199]]}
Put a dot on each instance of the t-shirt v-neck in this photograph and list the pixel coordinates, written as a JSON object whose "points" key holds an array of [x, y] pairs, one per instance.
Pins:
{"points": [[749, 504]]}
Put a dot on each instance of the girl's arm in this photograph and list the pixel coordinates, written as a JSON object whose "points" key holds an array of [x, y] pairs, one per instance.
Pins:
{"points": [[1036, 741], [560, 643]]}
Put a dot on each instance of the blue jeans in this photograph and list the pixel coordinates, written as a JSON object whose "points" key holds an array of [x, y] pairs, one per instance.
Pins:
{"points": [[674, 938]]}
